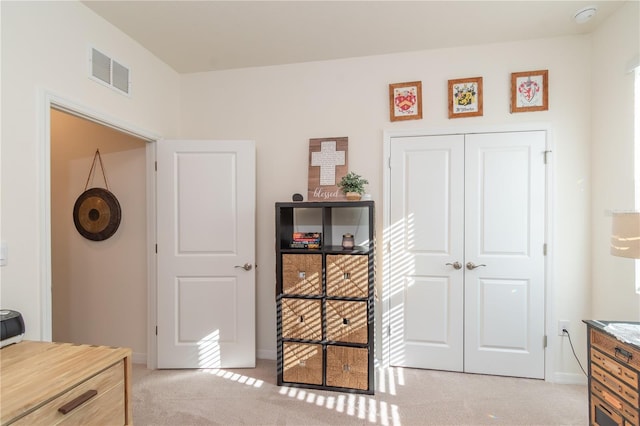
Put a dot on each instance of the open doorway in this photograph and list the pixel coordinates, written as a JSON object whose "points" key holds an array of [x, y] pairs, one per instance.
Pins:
{"points": [[98, 288]]}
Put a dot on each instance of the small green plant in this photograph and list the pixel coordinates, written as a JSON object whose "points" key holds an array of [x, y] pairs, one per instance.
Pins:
{"points": [[352, 182]]}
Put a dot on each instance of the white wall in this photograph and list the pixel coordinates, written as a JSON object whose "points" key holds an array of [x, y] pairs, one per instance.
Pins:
{"points": [[44, 48], [99, 288], [283, 107], [614, 46]]}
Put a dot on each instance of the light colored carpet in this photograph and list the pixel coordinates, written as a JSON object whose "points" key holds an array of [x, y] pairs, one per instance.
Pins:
{"points": [[403, 397]]}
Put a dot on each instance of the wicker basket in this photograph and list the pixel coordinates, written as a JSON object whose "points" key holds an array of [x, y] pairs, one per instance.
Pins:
{"points": [[347, 321], [302, 363], [347, 275], [347, 367], [301, 319], [302, 273]]}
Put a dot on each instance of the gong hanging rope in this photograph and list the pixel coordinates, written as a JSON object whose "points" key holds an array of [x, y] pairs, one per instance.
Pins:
{"points": [[96, 212], [93, 165]]}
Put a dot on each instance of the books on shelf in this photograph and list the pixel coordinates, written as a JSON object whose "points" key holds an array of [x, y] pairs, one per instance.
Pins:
{"points": [[306, 240]]}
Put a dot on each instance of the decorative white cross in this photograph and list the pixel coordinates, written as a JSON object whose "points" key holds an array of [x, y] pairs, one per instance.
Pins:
{"points": [[328, 158]]}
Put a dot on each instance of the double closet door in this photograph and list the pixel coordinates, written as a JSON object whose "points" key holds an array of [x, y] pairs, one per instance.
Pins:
{"points": [[466, 254]]}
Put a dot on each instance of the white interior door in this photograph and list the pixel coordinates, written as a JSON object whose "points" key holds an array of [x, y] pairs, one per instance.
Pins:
{"points": [[476, 199], [206, 234], [427, 233], [505, 211]]}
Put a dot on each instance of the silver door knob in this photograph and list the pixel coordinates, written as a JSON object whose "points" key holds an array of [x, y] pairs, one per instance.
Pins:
{"points": [[246, 266], [456, 265], [471, 266]]}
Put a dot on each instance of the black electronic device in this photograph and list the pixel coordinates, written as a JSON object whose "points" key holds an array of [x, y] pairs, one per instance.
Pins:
{"points": [[11, 327]]}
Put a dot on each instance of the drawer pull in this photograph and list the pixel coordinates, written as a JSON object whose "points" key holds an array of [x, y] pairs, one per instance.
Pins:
{"points": [[72, 405], [623, 355]]}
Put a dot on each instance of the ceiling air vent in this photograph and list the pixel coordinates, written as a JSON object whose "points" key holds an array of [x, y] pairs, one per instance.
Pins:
{"points": [[107, 71]]}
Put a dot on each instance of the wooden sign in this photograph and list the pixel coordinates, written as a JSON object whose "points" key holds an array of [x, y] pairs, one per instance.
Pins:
{"points": [[328, 163]]}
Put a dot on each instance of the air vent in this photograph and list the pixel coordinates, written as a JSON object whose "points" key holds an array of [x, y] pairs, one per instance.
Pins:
{"points": [[107, 71]]}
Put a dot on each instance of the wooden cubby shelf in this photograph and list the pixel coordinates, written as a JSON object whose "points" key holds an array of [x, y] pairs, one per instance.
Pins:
{"points": [[325, 297]]}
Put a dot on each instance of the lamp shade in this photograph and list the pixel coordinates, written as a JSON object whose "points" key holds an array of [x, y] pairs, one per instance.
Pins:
{"points": [[625, 235]]}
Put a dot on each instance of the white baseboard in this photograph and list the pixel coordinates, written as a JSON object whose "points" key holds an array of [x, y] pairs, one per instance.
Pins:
{"points": [[267, 354], [139, 358], [569, 379]]}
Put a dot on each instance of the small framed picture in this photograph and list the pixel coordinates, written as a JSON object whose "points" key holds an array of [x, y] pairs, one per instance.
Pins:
{"points": [[405, 101], [465, 97], [530, 91]]}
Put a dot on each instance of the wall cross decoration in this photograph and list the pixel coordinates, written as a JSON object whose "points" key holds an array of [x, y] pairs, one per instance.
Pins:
{"points": [[328, 161]]}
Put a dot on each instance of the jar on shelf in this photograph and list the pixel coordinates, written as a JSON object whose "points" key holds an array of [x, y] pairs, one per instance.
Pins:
{"points": [[347, 241]]}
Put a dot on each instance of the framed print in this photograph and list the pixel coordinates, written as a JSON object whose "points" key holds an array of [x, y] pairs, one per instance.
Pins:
{"points": [[405, 101], [530, 91], [465, 97]]}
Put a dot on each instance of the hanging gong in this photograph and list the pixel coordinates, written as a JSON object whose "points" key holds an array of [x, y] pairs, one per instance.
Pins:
{"points": [[96, 214]]}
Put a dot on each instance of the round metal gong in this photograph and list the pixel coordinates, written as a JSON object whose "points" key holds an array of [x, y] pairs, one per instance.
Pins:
{"points": [[96, 214]]}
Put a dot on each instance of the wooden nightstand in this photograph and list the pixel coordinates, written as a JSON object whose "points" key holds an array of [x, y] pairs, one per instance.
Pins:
{"points": [[614, 370], [61, 383]]}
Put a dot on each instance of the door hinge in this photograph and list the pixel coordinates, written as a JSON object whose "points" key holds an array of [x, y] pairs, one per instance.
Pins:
{"points": [[389, 330], [156, 330], [544, 249], [389, 164], [546, 153], [544, 343], [156, 165], [156, 248]]}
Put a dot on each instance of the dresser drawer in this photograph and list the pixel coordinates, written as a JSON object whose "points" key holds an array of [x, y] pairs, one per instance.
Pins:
{"points": [[614, 368], [614, 401], [107, 407], [620, 351], [347, 321], [626, 392]]}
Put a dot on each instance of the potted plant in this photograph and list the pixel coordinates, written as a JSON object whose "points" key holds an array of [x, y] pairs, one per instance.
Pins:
{"points": [[352, 185]]}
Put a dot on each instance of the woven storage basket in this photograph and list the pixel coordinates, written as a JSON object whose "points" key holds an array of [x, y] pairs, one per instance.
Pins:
{"points": [[347, 367], [302, 273], [347, 275], [301, 319], [302, 363], [347, 321]]}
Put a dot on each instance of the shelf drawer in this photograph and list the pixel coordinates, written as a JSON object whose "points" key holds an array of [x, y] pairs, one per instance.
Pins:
{"points": [[106, 407], [302, 363], [347, 367], [614, 401], [347, 321], [301, 319], [618, 387], [614, 368], [302, 274], [347, 275], [623, 353]]}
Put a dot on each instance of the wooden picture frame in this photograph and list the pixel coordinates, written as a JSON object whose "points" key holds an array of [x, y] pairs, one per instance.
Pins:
{"points": [[465, 97], [328, 163], [405, 101], [530, 91]]}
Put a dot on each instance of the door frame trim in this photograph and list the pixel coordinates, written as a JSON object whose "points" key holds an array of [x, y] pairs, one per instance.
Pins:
{"points": [[49, 100], [550, 202]]}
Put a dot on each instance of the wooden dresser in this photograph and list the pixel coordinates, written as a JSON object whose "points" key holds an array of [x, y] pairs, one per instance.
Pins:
{"points": [[46, 383], [614, 370]]}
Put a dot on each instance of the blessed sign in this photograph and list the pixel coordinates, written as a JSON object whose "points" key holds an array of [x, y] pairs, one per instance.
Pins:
{"points": [[327, 165]]}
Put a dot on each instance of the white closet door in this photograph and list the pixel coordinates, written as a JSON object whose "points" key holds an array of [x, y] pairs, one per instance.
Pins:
{"points": [[505, 224], [478, 200], [427, 231]]}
